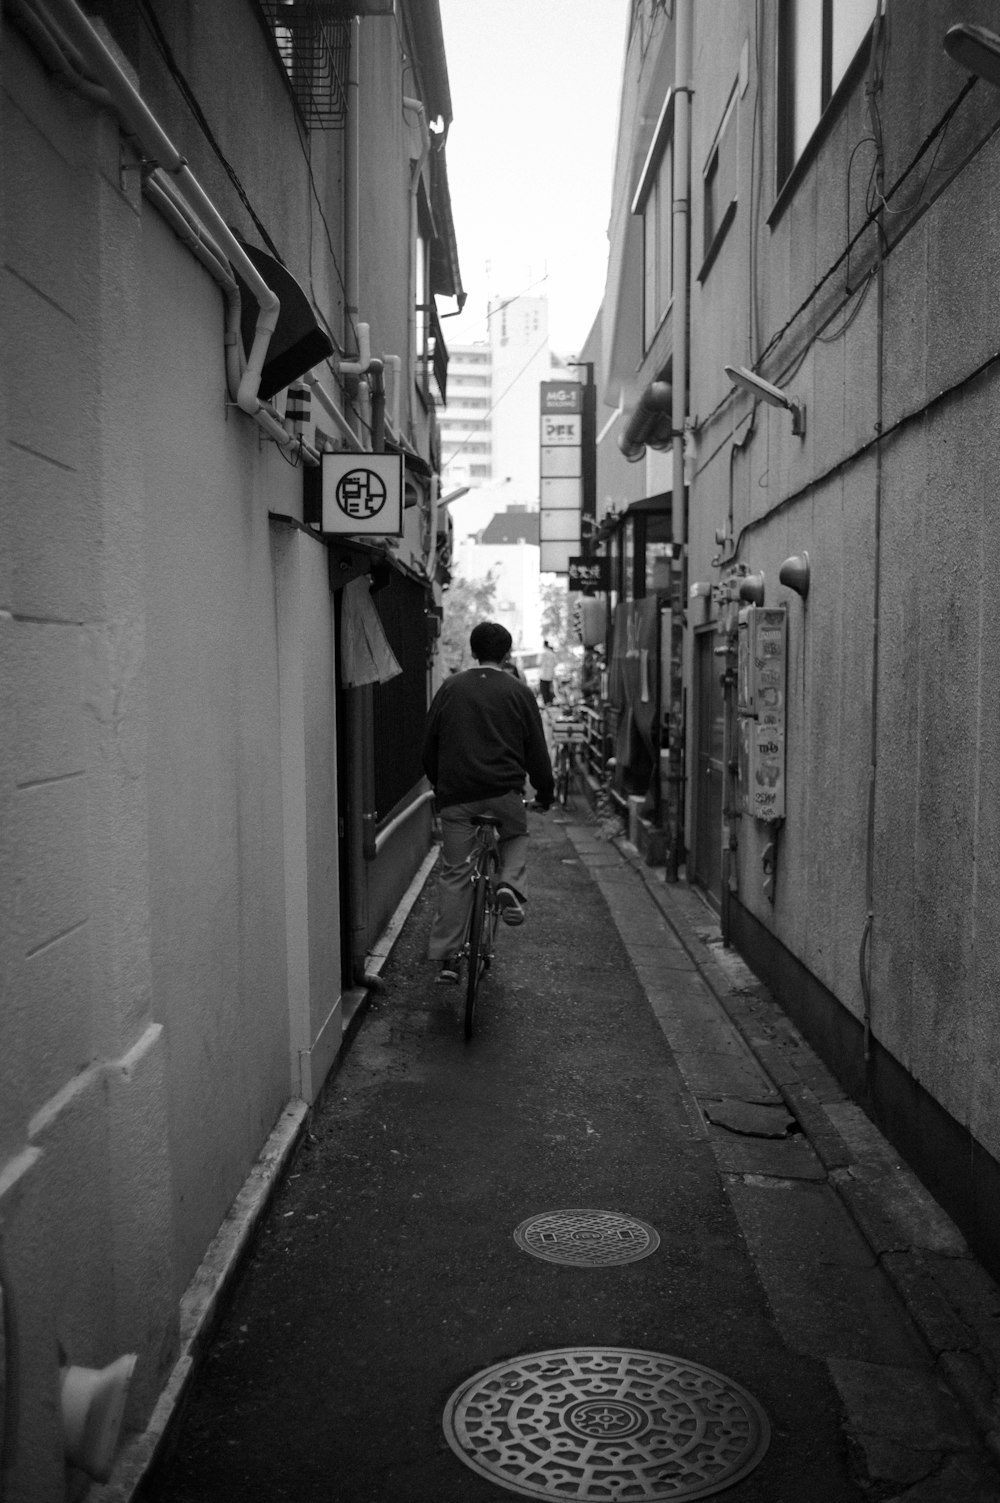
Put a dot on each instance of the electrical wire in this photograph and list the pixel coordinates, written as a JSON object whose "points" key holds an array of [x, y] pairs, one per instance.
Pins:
{"points": [[166, 52], [871, 218], [756, 126], [490, 410], [163, 46]]}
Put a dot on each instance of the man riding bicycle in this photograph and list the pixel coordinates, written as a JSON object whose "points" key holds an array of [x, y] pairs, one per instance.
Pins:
{"points": [[483, 738]]}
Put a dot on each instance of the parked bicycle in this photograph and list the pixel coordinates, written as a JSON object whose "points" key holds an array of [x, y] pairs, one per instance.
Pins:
{"points": [[568, 734]]}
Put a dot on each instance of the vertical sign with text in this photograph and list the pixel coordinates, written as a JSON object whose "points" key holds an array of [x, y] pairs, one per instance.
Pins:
{"points": [[560, 474]]}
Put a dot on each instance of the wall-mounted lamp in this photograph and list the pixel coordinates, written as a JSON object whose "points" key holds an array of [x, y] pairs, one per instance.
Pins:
{"points": [[974, 48], [794, 573], [758, 387], [752, 588]]}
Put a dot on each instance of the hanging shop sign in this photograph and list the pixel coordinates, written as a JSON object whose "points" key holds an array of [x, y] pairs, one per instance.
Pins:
{"points": [[363, 495], [589, 573], [560, 474]]}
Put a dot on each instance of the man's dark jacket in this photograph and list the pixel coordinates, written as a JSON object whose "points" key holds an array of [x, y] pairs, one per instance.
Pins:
{"points": [[484, 732]]}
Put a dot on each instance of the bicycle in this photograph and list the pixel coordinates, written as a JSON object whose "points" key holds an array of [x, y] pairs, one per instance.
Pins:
{"points": [[568, 732], [484, 913]]}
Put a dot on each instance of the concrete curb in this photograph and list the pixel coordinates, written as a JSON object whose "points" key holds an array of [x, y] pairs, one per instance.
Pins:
{"points": [[205, 1295], [952, 1301]]}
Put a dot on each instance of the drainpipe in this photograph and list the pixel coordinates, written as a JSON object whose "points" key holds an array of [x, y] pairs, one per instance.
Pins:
{"points": [[69, 35], [396, 365], [333, 412], [360, 751], [58, 54], [432, 540], [680, 216], [157, 146], [352, 178], [376, 385], [416, 169]]}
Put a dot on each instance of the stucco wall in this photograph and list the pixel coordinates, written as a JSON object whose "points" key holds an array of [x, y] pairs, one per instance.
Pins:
{"points": [[214, 768], [306, 648], [84, 1178]]}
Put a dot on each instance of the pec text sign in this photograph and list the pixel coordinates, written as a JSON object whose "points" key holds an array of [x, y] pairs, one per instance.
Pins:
{"points": [[363, 495], [560, 473]]}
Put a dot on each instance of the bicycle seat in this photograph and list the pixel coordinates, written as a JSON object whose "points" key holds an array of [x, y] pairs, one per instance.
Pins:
{"points": [[486, 819]]}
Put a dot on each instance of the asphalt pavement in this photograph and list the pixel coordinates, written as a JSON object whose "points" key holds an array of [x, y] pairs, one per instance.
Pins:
{"points": [[735, 1239]]}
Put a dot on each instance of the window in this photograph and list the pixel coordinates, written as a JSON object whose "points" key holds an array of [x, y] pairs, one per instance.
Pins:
{"points": [[653, 200], [719, 198], [817, 42]]}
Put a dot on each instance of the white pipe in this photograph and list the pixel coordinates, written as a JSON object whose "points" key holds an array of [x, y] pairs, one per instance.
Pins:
{"points": [[160, 190], [60, 57], [352, 204], [156, 144], [681, 212], [127, 103], [418, 803], [416, 170], [396, 362], [333, 412], [360, 366], [432, 540]]}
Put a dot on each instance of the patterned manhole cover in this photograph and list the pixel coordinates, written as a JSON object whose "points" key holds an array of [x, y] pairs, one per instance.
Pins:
{"points": [[606, 1423], [590, 1239]]}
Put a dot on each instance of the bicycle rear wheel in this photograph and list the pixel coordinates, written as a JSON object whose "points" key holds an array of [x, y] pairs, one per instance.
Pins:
{"points": [[562, 777], [482, 934]]}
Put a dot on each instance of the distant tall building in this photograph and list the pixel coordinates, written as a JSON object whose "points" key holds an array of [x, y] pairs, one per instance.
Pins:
{"points": [[489, 427], [466, 423], [490, 443]]}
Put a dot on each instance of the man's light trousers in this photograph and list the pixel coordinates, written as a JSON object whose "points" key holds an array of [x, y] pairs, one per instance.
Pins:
{"points": [[458, 852]]}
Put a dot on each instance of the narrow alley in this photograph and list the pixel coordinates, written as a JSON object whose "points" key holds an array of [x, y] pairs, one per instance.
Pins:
{"points": [[743, 1220]]}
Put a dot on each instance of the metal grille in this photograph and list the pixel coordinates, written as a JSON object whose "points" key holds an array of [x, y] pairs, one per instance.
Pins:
{"points": [[313, 42]]}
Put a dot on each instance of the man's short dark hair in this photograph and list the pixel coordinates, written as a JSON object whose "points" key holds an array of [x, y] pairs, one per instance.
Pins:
{"points": [[490, 642]]}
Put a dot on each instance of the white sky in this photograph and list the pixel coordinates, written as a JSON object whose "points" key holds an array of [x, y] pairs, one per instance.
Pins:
{"points": [[534, 88]]}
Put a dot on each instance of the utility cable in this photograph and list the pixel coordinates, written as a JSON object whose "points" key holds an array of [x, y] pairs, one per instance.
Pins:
{"points": [[871, 218], [490, 410], [153, 25], [166, 52]]}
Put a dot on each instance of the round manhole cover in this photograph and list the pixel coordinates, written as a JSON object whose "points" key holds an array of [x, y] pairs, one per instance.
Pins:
{"points": [[590, 1239], [606, 1422]]}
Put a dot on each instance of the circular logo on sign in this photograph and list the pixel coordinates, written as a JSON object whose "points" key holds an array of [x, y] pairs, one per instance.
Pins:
{"points": [[361, 493]]}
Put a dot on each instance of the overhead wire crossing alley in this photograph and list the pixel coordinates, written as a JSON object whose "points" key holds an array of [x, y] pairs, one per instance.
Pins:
{"points": [[630, 1241]]}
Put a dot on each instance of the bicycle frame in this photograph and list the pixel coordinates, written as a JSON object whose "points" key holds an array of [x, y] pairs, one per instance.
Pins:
{"points": [[484, 914]]}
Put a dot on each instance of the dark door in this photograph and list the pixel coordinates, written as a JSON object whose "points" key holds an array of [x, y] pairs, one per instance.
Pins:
{"points": [[706, 854]]}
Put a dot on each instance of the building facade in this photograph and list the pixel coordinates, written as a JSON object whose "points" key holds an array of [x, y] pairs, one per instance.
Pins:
{"points": [[226, 228], [466, 422], [805, 188]]}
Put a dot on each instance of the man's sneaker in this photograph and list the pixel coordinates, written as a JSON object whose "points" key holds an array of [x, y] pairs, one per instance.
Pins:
{"points": [[510, 907], [449, 970]]}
